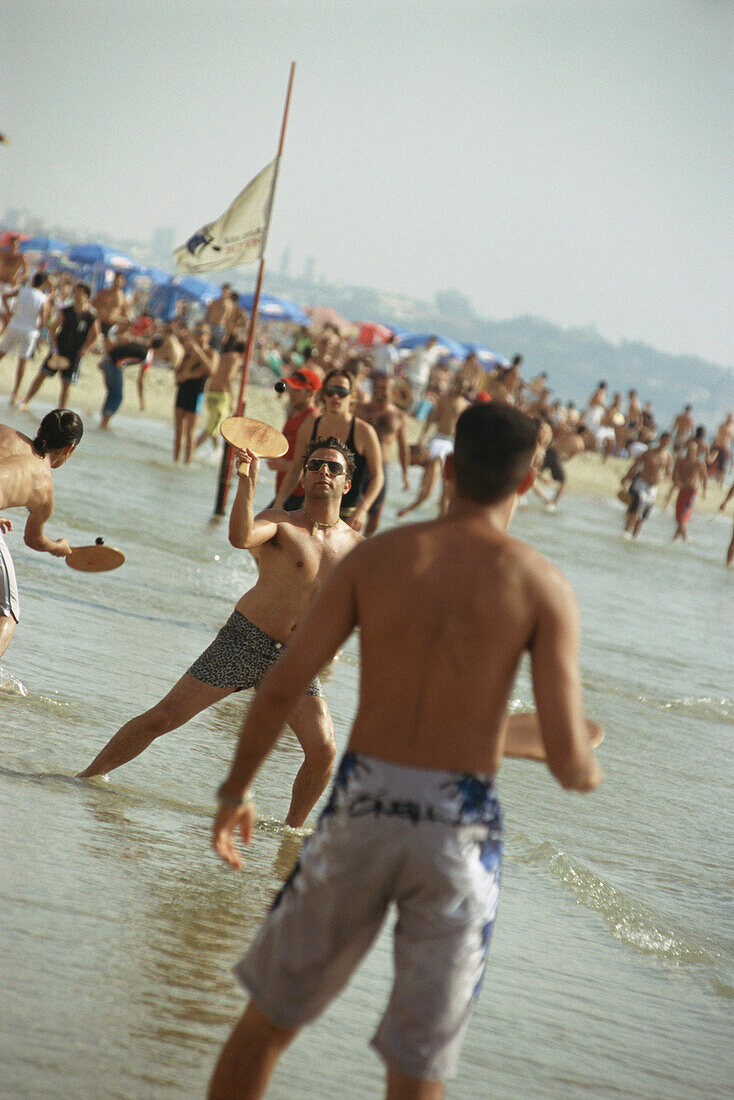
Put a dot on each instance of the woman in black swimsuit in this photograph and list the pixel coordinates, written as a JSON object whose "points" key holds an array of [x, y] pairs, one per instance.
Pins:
{"points": [[336, 397], [192, 373]]}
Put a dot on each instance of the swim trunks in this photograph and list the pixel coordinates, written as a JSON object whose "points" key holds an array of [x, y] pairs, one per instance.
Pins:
{"points": [[190, 394], [440, 446], [9, 603], [217, 410], [70, 373], [552, 462], [19, 341], [643, 498], [239, 657], [431, 842], [684, 505]]}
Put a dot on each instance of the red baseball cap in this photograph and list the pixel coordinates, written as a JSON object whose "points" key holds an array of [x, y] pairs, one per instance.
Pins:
{"points": [[304, 379], [483, 397]]}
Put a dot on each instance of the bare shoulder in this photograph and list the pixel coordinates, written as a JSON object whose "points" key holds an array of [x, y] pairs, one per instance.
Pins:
{"points": [[281, 517], [550, 590], [350, 537], [362, 429], [12, 440]]}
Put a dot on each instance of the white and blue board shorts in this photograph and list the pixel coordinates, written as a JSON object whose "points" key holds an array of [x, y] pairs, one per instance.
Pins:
{"points": [[9, 602], [427, 841]]}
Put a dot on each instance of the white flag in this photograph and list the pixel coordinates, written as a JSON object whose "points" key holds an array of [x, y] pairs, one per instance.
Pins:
{"points": [[238, 236]]}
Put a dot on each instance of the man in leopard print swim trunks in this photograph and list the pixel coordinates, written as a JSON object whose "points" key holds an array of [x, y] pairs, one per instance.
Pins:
{"points": [[294, 551]]}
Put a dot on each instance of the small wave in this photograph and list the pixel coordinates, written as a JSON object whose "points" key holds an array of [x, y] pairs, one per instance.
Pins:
{"points": [[696, 706], [705, 706], [11, 685], [629, 921]]}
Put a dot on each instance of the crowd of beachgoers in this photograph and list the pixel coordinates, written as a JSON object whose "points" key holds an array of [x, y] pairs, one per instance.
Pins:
{"points": [[54, 320]]}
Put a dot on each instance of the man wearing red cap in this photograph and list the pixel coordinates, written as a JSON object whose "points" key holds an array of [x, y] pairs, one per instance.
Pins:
{"points": [[303, 385]]}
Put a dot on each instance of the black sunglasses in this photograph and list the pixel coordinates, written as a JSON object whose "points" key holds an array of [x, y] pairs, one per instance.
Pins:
{"points": [[337, 391], [315, 464]]}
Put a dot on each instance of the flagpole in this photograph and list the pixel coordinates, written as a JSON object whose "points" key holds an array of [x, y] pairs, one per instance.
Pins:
{"points": [[225, 470]]}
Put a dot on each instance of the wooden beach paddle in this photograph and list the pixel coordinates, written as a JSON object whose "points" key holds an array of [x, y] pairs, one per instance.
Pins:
{"points": [[254, 435], [523, 739], [56, 361], [97, 558]]}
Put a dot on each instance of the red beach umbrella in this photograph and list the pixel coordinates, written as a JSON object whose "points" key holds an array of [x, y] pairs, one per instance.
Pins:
{"points": [[371, 332], [326, 315]]}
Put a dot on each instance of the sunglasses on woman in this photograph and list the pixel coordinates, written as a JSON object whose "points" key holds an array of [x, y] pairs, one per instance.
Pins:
{"points": [[337, 391], [315, 464]]}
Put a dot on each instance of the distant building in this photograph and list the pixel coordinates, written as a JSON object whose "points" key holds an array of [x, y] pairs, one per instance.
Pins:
{"points": [[163, 242]]}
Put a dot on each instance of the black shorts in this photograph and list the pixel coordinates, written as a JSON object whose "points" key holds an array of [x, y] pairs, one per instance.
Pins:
{"points": [[69, 374], [553, 463]]}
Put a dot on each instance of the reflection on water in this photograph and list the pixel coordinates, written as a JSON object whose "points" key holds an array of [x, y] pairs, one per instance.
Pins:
{"points": [[120, 928]]}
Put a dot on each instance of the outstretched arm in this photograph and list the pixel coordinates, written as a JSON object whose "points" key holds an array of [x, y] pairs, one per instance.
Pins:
{"points": [[34, 535]]}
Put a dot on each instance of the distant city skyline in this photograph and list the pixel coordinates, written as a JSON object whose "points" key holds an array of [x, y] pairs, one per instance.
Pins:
{"points": [[569, 160]]}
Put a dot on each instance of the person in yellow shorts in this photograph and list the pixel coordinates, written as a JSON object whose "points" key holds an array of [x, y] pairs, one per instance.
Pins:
{"points": [[219, 393]]}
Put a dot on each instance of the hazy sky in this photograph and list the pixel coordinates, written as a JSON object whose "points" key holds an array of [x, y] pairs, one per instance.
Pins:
{"points": [[566, 158]]}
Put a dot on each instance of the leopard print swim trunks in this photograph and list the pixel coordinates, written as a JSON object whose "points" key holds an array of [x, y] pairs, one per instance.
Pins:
{"points": [[239, 657]]}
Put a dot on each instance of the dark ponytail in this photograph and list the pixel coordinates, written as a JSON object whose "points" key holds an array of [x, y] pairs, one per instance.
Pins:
{"points": [[58, 429]]}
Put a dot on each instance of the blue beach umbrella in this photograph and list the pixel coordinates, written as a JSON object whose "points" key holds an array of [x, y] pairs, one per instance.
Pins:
{"points": [[419, 339], [101, 256], [156, 275], [197, 289], [45, 245], [487, 357], [271, 308], [164, 298]]}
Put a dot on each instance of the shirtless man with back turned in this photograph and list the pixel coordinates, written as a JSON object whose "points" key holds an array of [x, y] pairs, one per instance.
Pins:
{"points": [[294, 552], [218, 393], [26, 482], [446, 610], [219, 313]]}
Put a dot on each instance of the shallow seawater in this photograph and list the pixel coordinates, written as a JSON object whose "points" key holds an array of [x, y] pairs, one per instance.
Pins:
{"points": [[611, 971]]}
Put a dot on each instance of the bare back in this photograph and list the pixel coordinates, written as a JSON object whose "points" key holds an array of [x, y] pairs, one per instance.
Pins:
{"points": [[25, 478], [458, 605], [448, 410], [224, 372]]}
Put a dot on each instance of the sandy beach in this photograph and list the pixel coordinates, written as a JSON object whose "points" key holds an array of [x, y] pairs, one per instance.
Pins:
{"points": [[587, 474]]}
